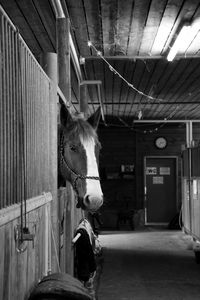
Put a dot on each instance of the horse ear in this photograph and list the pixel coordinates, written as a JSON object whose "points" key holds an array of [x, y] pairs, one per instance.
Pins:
{"points": [[95, 118], [65, 116]]}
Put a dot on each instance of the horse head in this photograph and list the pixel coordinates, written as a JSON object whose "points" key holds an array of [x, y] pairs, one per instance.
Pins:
{"points": [[78, 157]]}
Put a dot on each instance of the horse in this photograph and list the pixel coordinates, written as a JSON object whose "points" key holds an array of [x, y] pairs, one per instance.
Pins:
{"points": [[78, 157]]}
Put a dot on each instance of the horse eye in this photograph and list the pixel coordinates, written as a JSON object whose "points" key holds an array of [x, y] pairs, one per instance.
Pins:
{"points": [[73, 148]]}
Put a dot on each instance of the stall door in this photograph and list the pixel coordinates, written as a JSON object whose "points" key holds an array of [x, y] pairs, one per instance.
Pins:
{"points": [[160, 189]]}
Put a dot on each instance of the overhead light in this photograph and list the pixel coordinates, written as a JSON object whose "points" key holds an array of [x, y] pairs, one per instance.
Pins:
{"points": [[183, 40]]}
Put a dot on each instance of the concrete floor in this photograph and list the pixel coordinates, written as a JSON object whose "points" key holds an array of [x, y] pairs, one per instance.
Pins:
{"points": [[148, 264]]}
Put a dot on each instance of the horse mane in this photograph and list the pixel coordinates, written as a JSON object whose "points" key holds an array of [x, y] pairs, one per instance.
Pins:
{"points": [[81, 127]]}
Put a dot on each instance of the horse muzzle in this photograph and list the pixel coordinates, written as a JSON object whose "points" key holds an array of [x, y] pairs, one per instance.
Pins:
{"points": [[90, 202]]}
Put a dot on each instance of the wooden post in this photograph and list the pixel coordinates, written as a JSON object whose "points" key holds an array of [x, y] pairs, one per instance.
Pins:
{"points": [[63, 51], [69, 230], [64, 82], [49, 63], [83, 100]]}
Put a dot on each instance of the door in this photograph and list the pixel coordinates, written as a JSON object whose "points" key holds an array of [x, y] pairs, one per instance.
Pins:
{"points": [[160, 189]]}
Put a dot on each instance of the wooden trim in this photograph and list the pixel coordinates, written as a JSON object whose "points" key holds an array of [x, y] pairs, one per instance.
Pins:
{"points": [[10, 213]]}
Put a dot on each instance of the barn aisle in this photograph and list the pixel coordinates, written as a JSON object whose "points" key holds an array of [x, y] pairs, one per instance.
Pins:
{"points": [[148, 265]]}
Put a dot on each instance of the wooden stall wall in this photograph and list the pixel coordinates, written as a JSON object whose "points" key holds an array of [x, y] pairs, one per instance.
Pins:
{"points": [[27, 157], [126, 146], [22, 267]]}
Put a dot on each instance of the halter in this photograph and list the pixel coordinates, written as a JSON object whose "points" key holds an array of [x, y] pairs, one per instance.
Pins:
{"points": [[77, 176]]}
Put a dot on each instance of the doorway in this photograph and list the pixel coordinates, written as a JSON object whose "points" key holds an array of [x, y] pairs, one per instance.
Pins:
{"points": [[160, 189]]}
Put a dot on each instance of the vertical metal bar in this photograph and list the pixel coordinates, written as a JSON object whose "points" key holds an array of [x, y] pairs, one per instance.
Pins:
{"points": [[1, 114], [6, 170], [13, 177], [9, 121]]}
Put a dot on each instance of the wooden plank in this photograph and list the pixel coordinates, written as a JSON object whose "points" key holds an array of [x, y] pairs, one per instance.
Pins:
{"points": [[166, 25], [117, 86], [92, 10], [137, 76], [151, 25], [69, 230], [147, 75], [187, 12], [12, 212], [109, 17], [7, 266], [2, 261], [48, 19], [30, 14], [140, 14], [151, 86], [15, 14], [79, 25], [13, 261]]}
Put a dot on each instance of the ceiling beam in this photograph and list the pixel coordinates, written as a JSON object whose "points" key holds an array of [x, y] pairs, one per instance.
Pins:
{"points": [[166, 121], [135, 57], [147, 103]]}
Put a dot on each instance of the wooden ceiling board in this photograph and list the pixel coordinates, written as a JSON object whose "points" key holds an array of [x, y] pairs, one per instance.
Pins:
{"points": [[79, 26], [128, 91], [123, 86], [123, 25], [166, 26], [129, 67], [185, 14], [177, 70], [140, 13], [35, 23], [109, 12], [48, 19], [122, 29], [94, 21], [185, 81], [166, 86], [138, 73], [108, 87], [151, 84], [152, 25], [19, 21], [117, 81], [194, 48], [144, 84]]}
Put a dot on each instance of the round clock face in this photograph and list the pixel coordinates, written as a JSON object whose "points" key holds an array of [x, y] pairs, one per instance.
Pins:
{"points": [[161, 142]]}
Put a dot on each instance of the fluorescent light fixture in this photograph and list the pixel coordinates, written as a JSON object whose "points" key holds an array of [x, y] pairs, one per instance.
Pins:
{"points": [[183, 40]]}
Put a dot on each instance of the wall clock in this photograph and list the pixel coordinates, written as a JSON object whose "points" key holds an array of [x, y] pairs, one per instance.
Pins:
{"points": [[161, 142]]}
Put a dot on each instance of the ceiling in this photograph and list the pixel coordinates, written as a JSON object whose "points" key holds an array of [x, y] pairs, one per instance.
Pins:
{"points": [[129, 43]]}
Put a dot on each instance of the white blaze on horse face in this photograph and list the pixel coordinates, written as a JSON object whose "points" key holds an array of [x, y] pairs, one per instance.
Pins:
{"points": [[93, 187]]}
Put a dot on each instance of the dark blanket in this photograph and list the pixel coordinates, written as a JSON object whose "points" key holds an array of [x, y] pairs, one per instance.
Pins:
{"points": [[85, 263]]}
